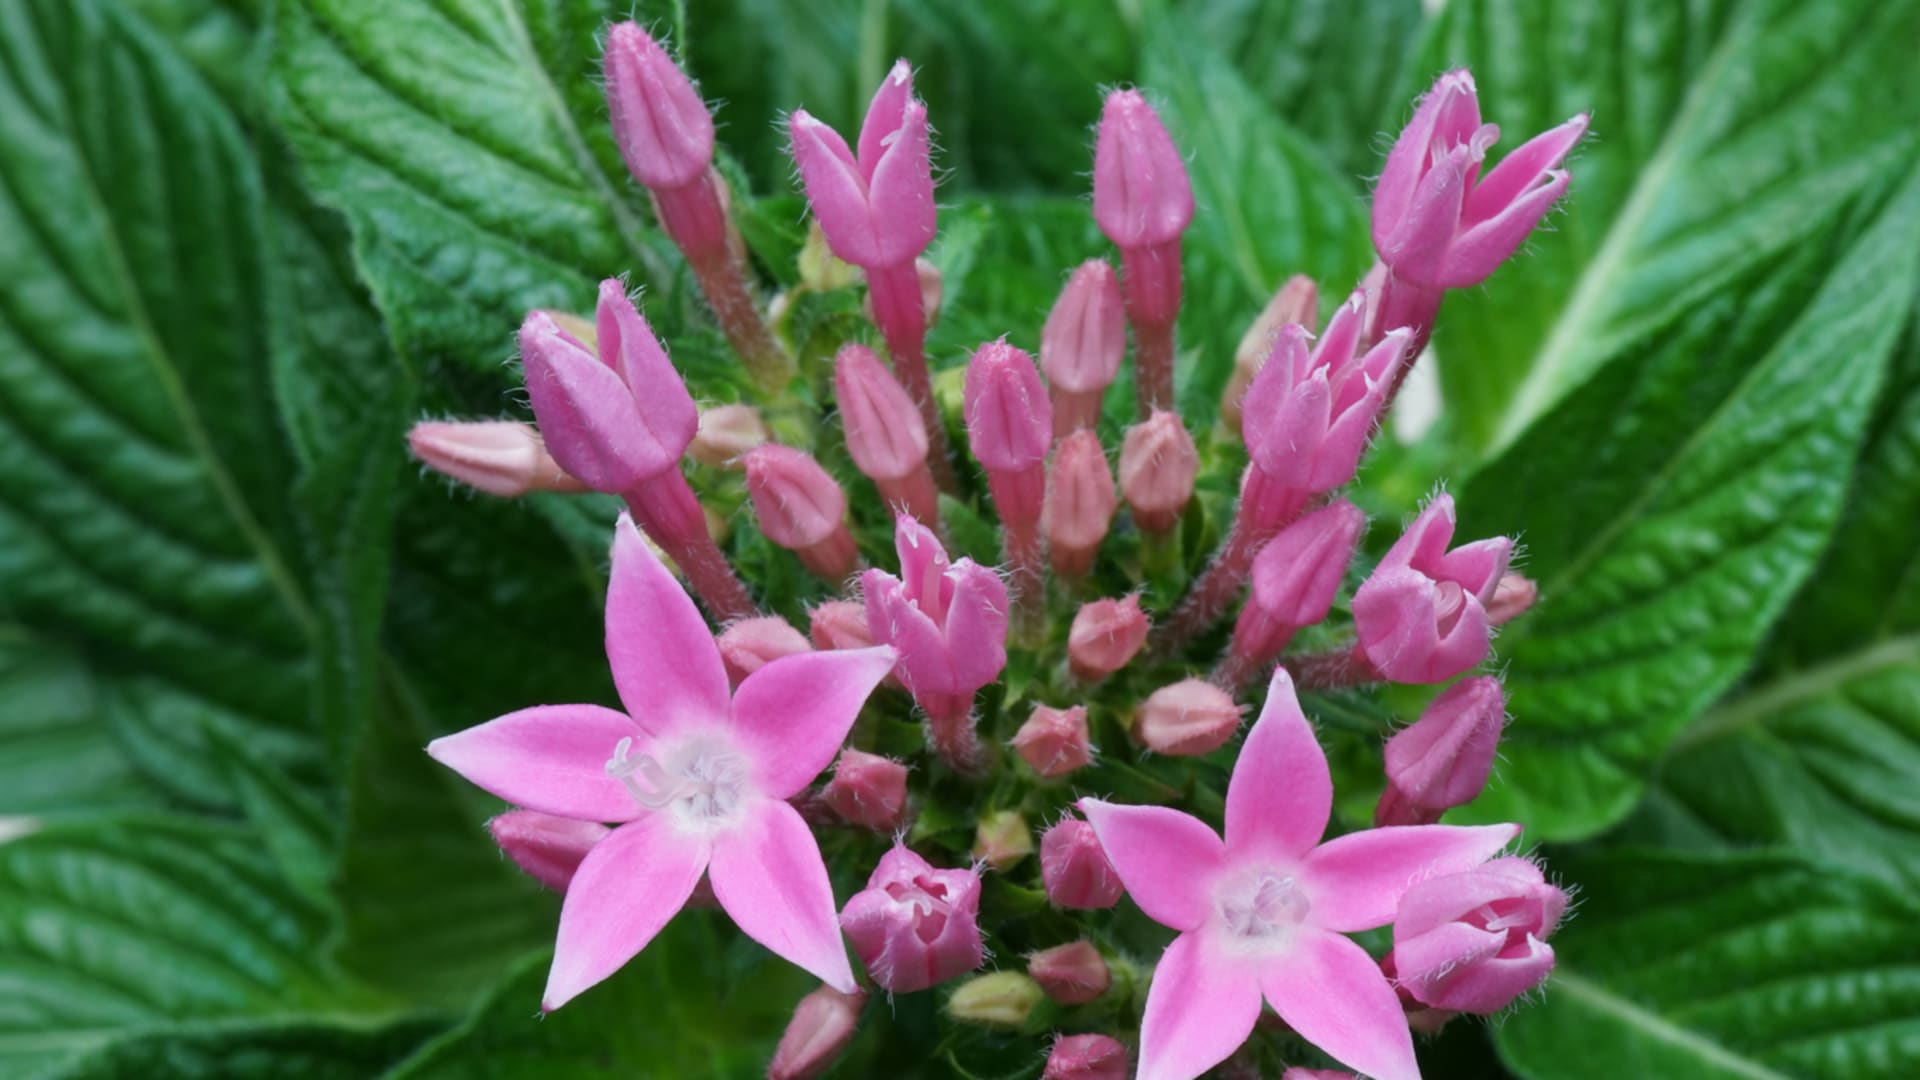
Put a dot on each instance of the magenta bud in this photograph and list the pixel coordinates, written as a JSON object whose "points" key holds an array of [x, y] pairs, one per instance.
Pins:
{"points": [[1001, 839], [1141, 196], [751, 644], [914, 926], [1188, 718], [547, 847], [1310, 412], [1080, 503], [1443, 759], [627, 345], [662, 126], [948, 620], [1299, 1073], [1082, 345], [1054, 741], [1421, 616], [500, 457], [588, 418], [726, 433], [801, 508], [1105, 637], [885, 435], [876, 210], [1086, 1057], [868, 790], [822, 1026], [1297, 304], [1298, 574], [1074, 868], [840, 624], [1009, 420], [1511, 598], [1158, 463], [1475, 941], [1071, 974]]}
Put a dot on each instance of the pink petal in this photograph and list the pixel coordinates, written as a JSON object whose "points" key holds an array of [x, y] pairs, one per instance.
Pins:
{"points": [[768, 875], [924, 663], [1335, 348], [1167, 860], [883, 115], [1420, 243], [1522, 169], [1199, 1010], [976, 629], [793, 714], [628, 346], [835, 189], [901, 196], [1479, 251], [551, 758], [1281, 793], [1477, 567], [1330, 991], [664, 661], [626, 889], [1357, 880]]}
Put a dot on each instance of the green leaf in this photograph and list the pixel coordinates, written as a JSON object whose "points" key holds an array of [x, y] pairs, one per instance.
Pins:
{"points": [[297, 1050], [1725, 967], [1672, 506]]}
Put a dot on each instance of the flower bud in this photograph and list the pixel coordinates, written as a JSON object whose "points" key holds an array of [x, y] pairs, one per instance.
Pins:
{"points": [[579, 328], [751, 644], [588, 418], [1141, 195], [1071, 974], [662, 126], [876, 210], [1421, 615], [914, 926], [1086, 1057], [949, 621], [547, 847], [840, 624], [1157, 465], [822, 1026], [868, 790], [1003, 999], [1074, 868], [1297, 303], [1443, 759], [1298, 1073], [1189, 718], [1475, 941], [1105, 636], [727, 433], [1080, 503], [1002, 839], [885, 435], [1009, 421], [1511, 598], [1082, 344], [499, 457], [801, 508], [1054, 741], [1298, 574], [627, 345], [1310, 411]]}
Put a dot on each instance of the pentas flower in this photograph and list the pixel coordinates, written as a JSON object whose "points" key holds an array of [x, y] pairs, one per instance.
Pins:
{"points": [[1422, 614], [876, 208], [948, 620], [697, 776], [1264, 913], [914, 926], [1475, 941]]}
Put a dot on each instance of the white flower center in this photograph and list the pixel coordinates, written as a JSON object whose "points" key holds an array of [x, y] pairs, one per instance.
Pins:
{"points": [[1263, 909], [701, 780]]}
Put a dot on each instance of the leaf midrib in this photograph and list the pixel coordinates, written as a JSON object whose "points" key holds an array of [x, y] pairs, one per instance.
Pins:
{"points": [[1658, 1027], [1756, 706]]}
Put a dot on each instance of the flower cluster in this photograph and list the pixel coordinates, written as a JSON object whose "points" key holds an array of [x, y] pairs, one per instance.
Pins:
{"points": [[1096, 613]]}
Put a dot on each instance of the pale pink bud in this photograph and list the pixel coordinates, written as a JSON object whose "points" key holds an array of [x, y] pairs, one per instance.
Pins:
{"points": [[1158, 463], [1297, 303], [547, 847], [868, 790], [1080, 503], [1054, 741], [948, 620], [1086, 1057], [500, 457], [1475, 941], [801, 508], [1071, 974], [885, 435], [1074, 868], [914, 926], [662, 126], [748, 645], [1421, 616], [726, 433], [1443, 759], [1511, 598], [822, 1026], [1082, 345], [876, 210], [1188, 718], [1009, 420], [1105, 637], [588, 418], [1298, 574], [1310, 412], [1001, 839], [1141, 196], [840, 624]]}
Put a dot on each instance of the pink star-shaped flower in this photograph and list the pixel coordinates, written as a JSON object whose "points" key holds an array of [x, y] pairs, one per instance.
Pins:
{"points": [[699, 779], [1265, 913]]}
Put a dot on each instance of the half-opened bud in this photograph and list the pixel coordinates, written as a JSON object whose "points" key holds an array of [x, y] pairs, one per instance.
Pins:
{"points": [[1071, 974], [1475, 941], [660, 123], [1054, 741], [1158, 463], [1421, 615], [1086, 1057], [801, 508], [1001, 839], [588, 418], [1003, 999], [726, 433], [1082, 344], [748, 645], [1188, 718], [822, 1026], [914, 926], [1443, 759], [547, 847], [1080, 503], [1105, 637], [1075, 869], [500, 457], [868, 790], [839, 624], [1297, 575]]}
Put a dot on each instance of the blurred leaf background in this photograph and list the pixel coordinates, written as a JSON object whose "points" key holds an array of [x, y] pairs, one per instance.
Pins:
{"points": [[245, 243]]}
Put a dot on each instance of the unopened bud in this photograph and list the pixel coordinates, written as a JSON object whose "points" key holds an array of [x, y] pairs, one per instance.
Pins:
{"points": [[868, 790], [1080, 503], [751, 644], [1299, 1073], [1002, 839], [1443, 759], [1054, 741], [822, 1026], [1297, 303], [1511, 599], [1086, 1057], [1003, 999], [1009, 420], [885, 435], [1071, 974], [1189, 718], [840, 624], [1105, 636], [499, 457], [1082, 345], [801, 508], [1141, 194], [727, 433], [1075, 869], [547, 847], [662, 126], [1158, 463]]}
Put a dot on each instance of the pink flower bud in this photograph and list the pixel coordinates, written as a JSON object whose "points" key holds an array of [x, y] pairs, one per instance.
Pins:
{"points": [[1141, 196], [1054, 741], [1298, 574], [885, 434], [1443, 759], [1421, 616], [1474, 941], [868, 790], [1297, 303], [1074, 868], [948, 621], [1309, 413], [1086, 1057], [1511, 599], [1009, 420], [588, 418], [1189, 718], [1105, 636], [627, 345], [801, 508], [1001, 839], [822, 1026], [1071, 974], [1082, 345], [840, 624], [547, 847], [1080, 503], [726, 433], [499, 457], [661, 124], [914, 926], [876, 210], [1298, 1073], [1158, 463], [751, 644]]}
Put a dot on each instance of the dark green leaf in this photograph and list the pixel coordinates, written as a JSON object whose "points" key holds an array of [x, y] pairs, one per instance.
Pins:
{"points": [[298, 1050]]}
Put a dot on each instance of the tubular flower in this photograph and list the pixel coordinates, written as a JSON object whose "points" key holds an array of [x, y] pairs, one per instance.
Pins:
{"points": [[914, 926], [1474, 941], [697, 777], [1422, 614], [875, 208]]}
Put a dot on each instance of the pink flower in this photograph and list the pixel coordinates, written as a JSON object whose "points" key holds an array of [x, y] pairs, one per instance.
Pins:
{"points": [[1074, 870], [1141, 195], [801, 507], [876, 210], [886, 437], [1443, 759], [1086, 1057], [948, 621], [914, 926], [697, 777], [662, 126], [1298, 301], [1264, 914], [549, 848], [1474, 941], [868, 790], [1158, 463], [1295, 579], [1421, 615], [751, 644], [1188, 718], [1080, 503]]}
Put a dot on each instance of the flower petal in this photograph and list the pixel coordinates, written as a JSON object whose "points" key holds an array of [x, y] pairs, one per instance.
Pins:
{"points": [[1198, 1011], [1281, 793], [1356, 881], [1330, 991], [626, 889], [664, 661], [551, 758], [1167, 860], [794, 713], [769, 876]]}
